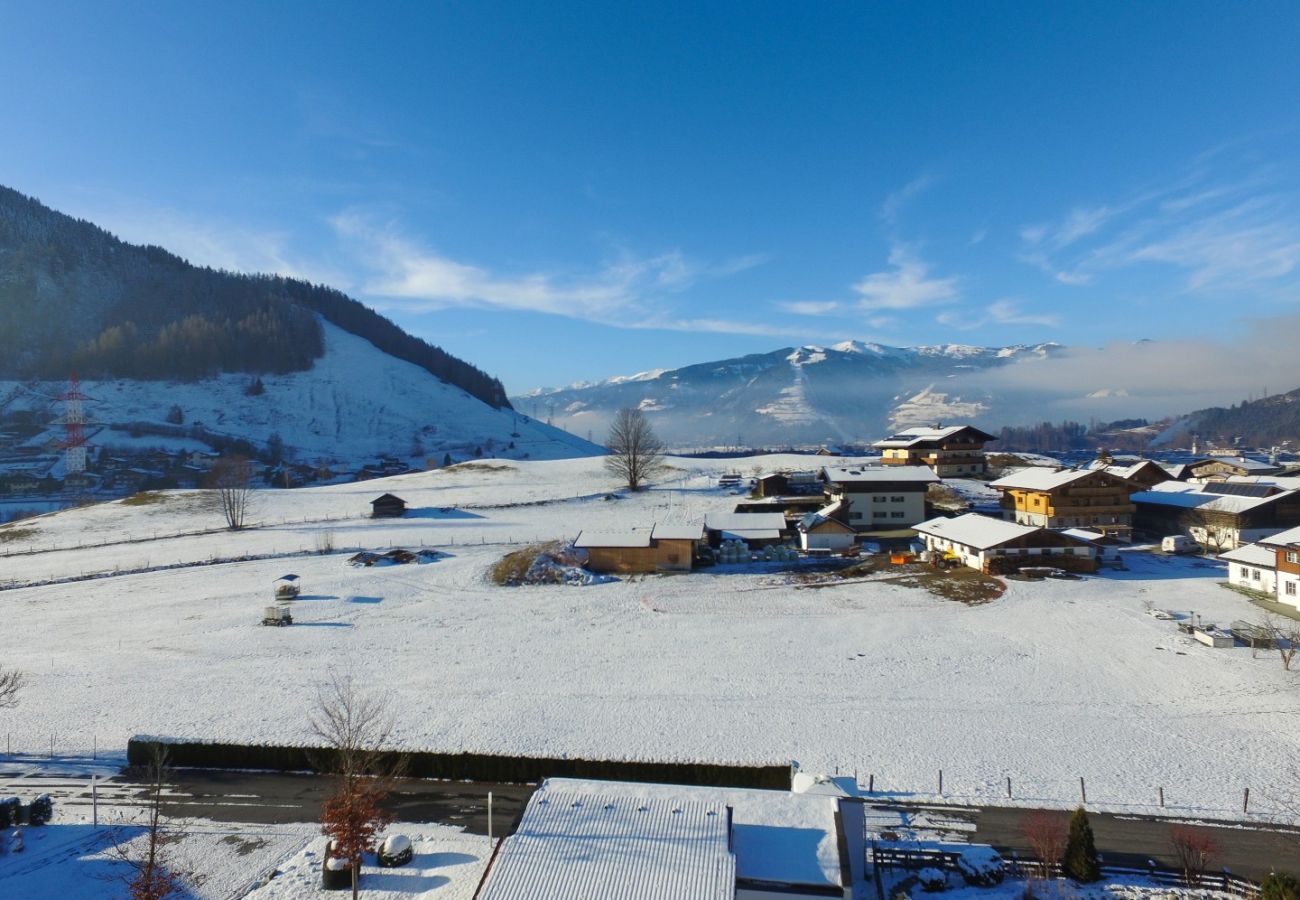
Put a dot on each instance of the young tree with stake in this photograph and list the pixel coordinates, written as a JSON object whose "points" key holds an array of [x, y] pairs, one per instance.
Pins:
{"points": [[11, 683]]}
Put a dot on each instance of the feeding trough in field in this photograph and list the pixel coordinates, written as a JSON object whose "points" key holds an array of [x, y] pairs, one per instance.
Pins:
{"points": [[287, 588]]}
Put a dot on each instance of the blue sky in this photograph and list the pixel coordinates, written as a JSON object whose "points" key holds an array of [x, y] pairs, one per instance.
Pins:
{"points": [[562, 191]]}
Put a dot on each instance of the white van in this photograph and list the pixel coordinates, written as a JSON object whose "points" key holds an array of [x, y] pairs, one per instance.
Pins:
{"points": [[1179, 543]]}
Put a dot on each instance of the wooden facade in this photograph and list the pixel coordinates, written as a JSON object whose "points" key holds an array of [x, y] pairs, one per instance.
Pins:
{"points": [[952, 451], [1092, 499], [387, 507]]}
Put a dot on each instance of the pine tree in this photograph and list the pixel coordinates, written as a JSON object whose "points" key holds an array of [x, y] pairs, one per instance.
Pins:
{"points": [[1081, 861]]}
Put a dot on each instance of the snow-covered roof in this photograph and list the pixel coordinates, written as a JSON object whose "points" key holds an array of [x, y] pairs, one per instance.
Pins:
{"points": [[744, 522], [1084, 534], [632, 537], [975, 530], [1283, 538], [1286, 482], [859, 474], [678, 532], [1242, 462], [826, 514], [1193, 496], [577, 846], [909, 437], [1252, 555], [1041, 478]]}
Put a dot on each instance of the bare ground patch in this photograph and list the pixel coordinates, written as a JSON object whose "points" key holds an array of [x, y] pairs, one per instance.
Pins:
{"points": [[963, 584]]}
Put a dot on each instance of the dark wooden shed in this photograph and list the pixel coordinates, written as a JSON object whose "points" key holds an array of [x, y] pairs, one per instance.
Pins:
{"points": [[387, 507]]}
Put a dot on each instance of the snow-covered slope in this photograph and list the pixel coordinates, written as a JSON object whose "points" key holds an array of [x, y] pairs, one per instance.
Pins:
{"points": [[851, 392], [354, 403]]}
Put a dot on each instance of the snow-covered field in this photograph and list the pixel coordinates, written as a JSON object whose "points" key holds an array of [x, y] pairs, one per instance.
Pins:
{"points": [[1053, 681]]}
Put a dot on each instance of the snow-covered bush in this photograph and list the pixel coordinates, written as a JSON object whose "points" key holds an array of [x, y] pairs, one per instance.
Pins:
{"points": [[981, 865], [932, 880]]}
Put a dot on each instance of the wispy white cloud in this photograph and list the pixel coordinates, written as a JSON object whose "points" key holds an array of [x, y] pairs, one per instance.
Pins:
{"points": [[895, 202], [627, 291], [1218, 229], [811, 307], [1000, 312], [907, 285]]}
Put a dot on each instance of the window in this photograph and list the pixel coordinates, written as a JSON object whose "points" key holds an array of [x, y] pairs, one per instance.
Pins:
{"points": [[1293, 556], [1255, 574], [897, 515], [1290, 588], [897, 499], [1245, 573]]}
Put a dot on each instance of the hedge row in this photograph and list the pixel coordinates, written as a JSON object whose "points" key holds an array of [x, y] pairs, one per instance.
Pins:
{"points": [[461, 766]]}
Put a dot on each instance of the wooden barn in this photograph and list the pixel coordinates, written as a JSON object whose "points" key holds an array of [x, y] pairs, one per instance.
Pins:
{"points": [[661, 548], [387, 507]]}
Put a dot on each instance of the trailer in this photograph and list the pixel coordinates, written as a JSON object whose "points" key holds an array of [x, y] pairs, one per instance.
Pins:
{"points": [[287, 587], [276, 615]]}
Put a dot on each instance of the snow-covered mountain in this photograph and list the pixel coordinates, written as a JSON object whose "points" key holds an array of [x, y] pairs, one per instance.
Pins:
{"points": [[354, 403], [851, 392]]}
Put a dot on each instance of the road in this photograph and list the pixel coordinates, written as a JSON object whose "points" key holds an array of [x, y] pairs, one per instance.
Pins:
{"points": [[277, 798]]}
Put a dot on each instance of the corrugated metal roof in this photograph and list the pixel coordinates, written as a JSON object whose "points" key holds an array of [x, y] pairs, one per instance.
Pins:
{"points": [[576, 846]]}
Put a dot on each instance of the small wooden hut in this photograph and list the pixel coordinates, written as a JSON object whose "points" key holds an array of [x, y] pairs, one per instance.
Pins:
{"points": [[387, 507]]}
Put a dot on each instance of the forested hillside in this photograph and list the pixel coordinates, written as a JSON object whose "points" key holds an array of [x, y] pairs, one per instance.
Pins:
{"points": [[1268, 422], [74, 297]]}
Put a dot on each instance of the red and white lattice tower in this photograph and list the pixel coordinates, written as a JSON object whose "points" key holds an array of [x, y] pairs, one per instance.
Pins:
{"points": [[74, 427]]}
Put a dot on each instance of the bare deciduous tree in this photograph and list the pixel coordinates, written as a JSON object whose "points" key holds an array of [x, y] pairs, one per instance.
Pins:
{"points": [[1196, 849], [355, 727], [152, 876], [635, 453], [1285, 633], [1046, 833], [11, 683], [231, 479]]}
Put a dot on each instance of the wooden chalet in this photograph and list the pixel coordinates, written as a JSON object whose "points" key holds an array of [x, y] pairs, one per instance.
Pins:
{"points": [[1221, 468], [1068, 498], [387, 506], [953, 451]]}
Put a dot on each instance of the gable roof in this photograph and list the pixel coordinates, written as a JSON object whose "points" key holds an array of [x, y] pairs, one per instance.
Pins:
{"points": [[1252, 555], [980, 532], [1245, 463], [387, 498], [824, 516], [1283, 538], [631, 537], [678, 532], [910, 437], [1041, 478]]}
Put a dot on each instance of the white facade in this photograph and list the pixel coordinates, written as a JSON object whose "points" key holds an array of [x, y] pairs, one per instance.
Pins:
{"points": [[1253, 567], [825, 538]]}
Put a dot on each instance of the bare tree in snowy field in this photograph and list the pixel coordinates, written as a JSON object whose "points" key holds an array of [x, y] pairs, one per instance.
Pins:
{"points": [[151, 875], [355, 727], [635, 453], [232, 481], [1286, 637], [1046, 833], [11, 683]]}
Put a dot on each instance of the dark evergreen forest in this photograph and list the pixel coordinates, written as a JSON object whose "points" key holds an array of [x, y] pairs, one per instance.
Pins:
{"points": [[74, 297]]}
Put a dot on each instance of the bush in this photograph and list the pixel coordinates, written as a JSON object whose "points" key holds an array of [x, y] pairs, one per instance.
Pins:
{"points": [[1279, 886], [1081, 861]]}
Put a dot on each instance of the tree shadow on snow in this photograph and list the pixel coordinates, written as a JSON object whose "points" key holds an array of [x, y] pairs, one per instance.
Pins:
{"points": [[365, 599]]}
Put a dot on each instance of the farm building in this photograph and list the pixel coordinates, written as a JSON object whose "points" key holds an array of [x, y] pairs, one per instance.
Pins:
{"points": [[953, 451], [1219, 516], [755, 529], [1252, 566], [387, 506], [786, 484], [1220, 468], [1144, 473], [1107, 545], [998, 547], [881, 498], [1066, 498], [660, 548], [825, 529]]}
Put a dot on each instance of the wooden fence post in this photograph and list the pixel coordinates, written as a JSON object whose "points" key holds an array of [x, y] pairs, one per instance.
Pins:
{"points": [[1008, 787], [1083, 791], [941, 782], [1245, 800], [1162, 798]]}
